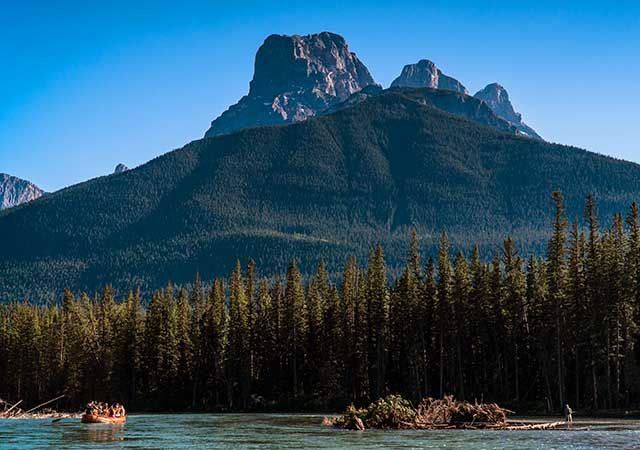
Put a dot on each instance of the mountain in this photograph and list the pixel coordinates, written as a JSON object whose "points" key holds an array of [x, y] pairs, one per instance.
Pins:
{"points": [[455, 103], [426, 74], [497, 98], [14, 191], [120, 168], [294, 78], [319, 189]]}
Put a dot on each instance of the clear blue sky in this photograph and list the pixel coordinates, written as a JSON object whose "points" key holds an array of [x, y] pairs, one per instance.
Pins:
{"points": [[86, 85]]}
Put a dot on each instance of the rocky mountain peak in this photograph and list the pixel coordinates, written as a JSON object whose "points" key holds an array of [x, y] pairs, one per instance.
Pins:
{"points": [[15, 191], [497, 97], [120, 168], [295, 77], [425, 73]]}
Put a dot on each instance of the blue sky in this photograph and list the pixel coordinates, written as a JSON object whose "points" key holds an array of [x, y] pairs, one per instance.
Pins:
{"points": [[86, 85]]}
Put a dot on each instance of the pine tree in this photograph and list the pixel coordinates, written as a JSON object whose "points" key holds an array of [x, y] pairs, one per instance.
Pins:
{"points": [[461, 288], [295, 329], [516, 310], [265, 342], [576, 312], [355, 332], [213, 332], [443, 314], [128, 352], [556, 279], [594, 300], [184, 380], [426, 312], [377, 301], [198, 303], [238, 358]]}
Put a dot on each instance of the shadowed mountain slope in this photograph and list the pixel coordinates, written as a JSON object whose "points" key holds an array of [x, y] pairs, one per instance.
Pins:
{"points": [[320, 189]]}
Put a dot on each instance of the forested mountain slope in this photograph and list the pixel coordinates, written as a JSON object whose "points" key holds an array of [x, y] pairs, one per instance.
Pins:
{"points": [[456, 103], [319, 189]]}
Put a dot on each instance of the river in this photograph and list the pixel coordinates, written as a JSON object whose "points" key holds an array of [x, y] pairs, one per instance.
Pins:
{"points": [[295, 431]]}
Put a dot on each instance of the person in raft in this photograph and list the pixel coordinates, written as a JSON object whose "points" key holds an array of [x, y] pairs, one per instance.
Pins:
{"points": [[104, 409], [568, 413]]}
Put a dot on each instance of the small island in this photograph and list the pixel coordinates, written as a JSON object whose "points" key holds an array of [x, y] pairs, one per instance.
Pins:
{"points": [[395, 412]]}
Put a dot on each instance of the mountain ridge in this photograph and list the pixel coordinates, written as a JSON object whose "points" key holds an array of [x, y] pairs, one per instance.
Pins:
{"points": [[320, 189], [452, 102]]}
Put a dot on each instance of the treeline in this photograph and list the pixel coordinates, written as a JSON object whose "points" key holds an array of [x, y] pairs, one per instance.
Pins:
{"points": [[532, 333]]}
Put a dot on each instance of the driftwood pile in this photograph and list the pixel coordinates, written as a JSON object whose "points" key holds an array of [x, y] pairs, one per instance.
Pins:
{"points": [[448, 411], [12, 411], [394, 412]]}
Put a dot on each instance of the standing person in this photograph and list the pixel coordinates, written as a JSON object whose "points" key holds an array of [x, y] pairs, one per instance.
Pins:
{"points": [[568, 414]]}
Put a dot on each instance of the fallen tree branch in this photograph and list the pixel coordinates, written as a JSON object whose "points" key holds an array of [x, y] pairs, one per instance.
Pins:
{"points": [[43, 404], [6, 413]]}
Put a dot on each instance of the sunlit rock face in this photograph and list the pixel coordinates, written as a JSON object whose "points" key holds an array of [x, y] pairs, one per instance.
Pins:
{"points": [[425, 74], [295, 77], [14, 191], [497, 98]]}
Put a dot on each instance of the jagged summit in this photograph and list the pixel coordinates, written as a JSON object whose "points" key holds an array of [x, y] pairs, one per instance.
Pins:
{"points": [[15, 191], [295, 77], [497, 97], [425, 73]]}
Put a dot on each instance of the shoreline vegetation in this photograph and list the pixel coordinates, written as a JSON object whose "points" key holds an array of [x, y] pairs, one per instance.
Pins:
{"points": [[528, 333]]}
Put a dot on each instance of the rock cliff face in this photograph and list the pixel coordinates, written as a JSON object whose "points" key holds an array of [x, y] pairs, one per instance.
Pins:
{"points": [[426, 74], [295, 77], [15, 191], [497, 98]]}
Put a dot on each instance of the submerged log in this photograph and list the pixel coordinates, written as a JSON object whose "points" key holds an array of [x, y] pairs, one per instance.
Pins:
{"points": [[536, 426]]}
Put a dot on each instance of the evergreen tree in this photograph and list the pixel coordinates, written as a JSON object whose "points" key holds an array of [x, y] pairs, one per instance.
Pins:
{"points": [[238, 357], [556, 281], [377, 301], [444, 313], [295, 329]]}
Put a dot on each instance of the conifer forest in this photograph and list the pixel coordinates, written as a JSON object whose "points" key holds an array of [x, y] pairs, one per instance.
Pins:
{"points": [[531, 332]]}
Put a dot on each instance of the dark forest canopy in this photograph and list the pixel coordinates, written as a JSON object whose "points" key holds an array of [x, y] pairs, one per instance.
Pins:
{"points": [[531, 333], [321, 190]]}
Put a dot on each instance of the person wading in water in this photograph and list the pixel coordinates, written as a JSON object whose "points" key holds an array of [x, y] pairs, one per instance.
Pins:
{"points": [[568, 414]]}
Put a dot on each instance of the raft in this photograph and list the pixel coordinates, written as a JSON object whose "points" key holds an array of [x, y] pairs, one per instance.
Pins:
{"points": [[92, 418]]}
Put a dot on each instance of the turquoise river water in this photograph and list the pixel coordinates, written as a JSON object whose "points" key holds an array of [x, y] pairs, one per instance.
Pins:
{"points": [[295, 431]]}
